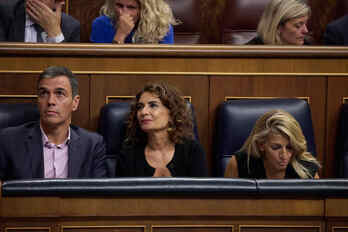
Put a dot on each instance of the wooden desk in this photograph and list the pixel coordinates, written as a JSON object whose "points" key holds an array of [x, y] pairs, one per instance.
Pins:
{"points": [[174, 204], [165, 214], [168, 214]]}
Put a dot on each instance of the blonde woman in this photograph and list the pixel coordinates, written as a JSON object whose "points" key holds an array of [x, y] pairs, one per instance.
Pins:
{"points": [[275, 149], [283, 22], [134, 21]]}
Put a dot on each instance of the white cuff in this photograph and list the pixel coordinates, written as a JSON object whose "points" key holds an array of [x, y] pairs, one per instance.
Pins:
{"points": [[58, 39]]}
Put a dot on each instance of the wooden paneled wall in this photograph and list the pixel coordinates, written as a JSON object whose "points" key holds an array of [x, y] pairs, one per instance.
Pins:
{"points": [[173, 214], [207, 74], [323, 11]]}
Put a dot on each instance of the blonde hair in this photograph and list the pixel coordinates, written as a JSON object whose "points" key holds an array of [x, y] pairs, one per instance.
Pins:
{"points": [[277, 13], [155, 17], [283, 123]]}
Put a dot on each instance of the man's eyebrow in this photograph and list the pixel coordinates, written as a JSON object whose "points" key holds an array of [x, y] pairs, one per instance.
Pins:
{"points": [[60, 89]]}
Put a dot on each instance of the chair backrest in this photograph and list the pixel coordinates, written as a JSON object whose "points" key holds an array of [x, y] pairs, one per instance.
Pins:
{"points": [[342, 143], [112, 126], [342, 8], [189, 13], [236, 118], [240, 20], [15, 114]]}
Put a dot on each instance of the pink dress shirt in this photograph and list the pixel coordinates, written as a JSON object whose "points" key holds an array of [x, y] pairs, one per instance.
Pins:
{"points": [[55, 157]]}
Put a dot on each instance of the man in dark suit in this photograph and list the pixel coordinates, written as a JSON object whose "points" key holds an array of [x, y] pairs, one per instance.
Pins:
{"points": [[337, 32], [37, 21], [51, 147]]}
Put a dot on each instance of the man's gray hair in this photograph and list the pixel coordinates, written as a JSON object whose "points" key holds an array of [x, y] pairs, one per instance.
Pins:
{"points": [[55, 71]]}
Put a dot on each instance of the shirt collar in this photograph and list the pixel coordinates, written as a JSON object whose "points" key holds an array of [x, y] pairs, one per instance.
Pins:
{"points": [[45, 140], [28, 21]]}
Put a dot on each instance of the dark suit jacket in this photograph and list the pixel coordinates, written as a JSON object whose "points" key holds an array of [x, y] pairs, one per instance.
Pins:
{"points": [[259, 41], [12, 23], [21, 153], [337, 32]]}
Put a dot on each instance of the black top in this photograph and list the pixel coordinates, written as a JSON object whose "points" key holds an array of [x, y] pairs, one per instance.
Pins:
{"points": [[257, 170], [259, 41], [188, 161], [336, 32], [256, 41]]}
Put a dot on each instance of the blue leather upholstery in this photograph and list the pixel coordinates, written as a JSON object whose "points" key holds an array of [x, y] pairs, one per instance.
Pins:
{"points": [[303, 187], [236, 118], [174, 187], [129, 187], [112, 125], [240, 20], [342, 143], [14, 114]]}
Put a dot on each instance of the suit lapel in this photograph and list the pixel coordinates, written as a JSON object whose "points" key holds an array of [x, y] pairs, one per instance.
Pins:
{"points": [[18, 27], [35, 151], [75, 155]]}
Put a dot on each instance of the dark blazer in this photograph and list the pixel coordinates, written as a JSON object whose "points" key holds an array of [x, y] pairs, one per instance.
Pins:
{"points": [[337, 32], [259, 41], [21, 153], [12, 23]]}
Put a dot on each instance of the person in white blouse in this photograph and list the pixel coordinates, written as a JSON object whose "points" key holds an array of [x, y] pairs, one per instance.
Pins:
{"points": [[37, 21]]}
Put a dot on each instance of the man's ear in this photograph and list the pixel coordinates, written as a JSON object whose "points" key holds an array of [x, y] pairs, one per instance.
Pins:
{"points": [[76, 102]]}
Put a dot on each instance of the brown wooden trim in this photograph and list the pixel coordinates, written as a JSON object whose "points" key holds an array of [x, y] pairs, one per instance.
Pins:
{"points": [[108, 98], [17, 96], [191, 226], [67, 5], [336, 207], [63, 228], [335, 228], [297, 227], [344, 100], [93, 72], [126, 50], [14, 229], [229, 98]]}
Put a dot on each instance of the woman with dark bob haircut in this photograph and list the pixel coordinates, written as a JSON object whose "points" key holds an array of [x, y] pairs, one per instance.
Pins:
{"points": [[159, 140]]}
